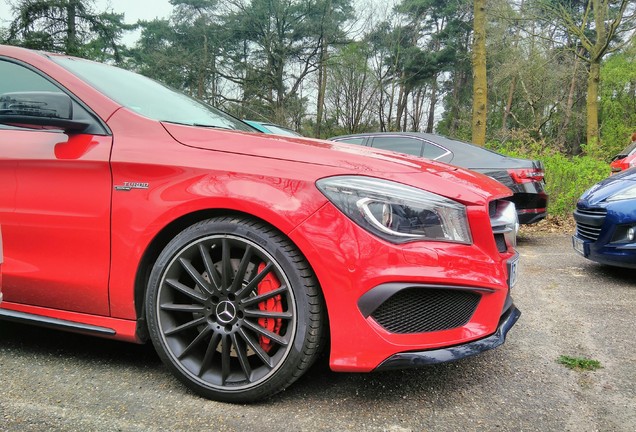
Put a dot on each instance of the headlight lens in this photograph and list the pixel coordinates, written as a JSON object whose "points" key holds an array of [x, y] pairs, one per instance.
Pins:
{"points": [[629, 193], [396, 212]]}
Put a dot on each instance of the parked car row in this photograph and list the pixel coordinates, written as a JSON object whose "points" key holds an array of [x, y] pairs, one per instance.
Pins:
{"points": [[133, 212]]}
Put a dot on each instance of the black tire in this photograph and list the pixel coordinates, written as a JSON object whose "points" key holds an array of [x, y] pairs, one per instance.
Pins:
{"points": [[234, 309]]}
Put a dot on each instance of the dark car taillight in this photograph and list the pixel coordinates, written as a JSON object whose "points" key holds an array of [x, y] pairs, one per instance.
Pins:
{"points": [[526, 175]]}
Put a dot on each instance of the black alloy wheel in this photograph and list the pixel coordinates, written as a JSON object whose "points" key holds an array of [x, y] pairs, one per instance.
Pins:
{"points": [[234, 310]]}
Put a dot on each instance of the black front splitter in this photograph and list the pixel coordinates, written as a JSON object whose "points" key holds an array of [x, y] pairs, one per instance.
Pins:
{"points": [[421, 358]]}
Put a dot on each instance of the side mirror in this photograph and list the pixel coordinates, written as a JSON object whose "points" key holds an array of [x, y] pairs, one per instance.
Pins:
{"points": [[52, 109]]}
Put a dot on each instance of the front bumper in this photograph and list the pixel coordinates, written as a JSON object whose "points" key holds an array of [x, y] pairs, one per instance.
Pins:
{"points": [[421, 358], [358, 272], [600, 237], [622, 255]]}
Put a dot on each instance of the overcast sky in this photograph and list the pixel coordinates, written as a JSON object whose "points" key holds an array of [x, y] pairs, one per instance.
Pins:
{"points": [[133, 11]]}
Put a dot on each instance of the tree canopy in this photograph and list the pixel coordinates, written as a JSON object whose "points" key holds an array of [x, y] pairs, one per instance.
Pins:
{"points": [[557, 72]]}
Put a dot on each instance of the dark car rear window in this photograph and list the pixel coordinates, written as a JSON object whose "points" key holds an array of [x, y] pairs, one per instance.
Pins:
{"points": [[628, 150]]}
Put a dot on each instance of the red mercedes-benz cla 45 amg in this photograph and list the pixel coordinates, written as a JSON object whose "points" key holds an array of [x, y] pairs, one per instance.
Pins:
{"points": [[133, 212]]}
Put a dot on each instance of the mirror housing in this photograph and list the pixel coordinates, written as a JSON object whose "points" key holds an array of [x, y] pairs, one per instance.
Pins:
{"points": [[48, 109]]}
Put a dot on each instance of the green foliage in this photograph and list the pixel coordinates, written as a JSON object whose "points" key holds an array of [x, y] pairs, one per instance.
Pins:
{"points": [[67, 26], [567, 177], [579, 363], [618, 101]]}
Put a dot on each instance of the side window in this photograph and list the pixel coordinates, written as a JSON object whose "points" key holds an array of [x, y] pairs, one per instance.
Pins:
{"points": [[407, 145], [356, 140], [433, 152], [17, 78], [20, 79]]}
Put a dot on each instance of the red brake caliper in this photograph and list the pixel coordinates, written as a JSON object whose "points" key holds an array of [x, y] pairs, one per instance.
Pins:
{"points": [[274, 304]]}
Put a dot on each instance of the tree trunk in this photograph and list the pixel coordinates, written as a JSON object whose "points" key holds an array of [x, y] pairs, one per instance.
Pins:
{"points": [[431, 111], [203, 69], [513, 82], [480, 84], [322, 71], [592, 106], [561, 136], [71, 31], [458, 82], [511, 93], [322, 88]]}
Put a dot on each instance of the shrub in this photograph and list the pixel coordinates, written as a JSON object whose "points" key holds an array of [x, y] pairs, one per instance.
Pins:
{"points": [[566, 177]]}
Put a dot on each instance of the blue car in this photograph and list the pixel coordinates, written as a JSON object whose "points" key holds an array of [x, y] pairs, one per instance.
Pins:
{"points": [[606, 221]]}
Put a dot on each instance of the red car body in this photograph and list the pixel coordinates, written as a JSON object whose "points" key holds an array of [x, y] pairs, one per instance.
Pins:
{"points": [[85, 216], [1, 259], [623, 162], [626, 159]]}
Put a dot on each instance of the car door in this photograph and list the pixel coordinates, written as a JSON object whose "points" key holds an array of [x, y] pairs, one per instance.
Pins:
{"points": [[54, 206]]}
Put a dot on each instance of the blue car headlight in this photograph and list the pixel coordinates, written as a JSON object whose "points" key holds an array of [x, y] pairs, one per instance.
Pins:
{"points": [[395, 212], [628, 193]]}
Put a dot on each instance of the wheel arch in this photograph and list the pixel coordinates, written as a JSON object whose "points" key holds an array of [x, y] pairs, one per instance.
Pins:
{"points": [[167, 233]]}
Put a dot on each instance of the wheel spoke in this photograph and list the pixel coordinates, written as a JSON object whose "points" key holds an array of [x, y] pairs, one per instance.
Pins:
{"points": [[256, 347], [240, 274], [226, 347], [268, 314], [268, 334], [250, 301], [197, 340], [186, 326], [255, 281], [195, 275], [194, 295], [209, 266], [242, 356], [210, 352], [192, 308], [226, 264]]}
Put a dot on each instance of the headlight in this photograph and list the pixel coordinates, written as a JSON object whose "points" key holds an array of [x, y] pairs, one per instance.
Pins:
{"points": [[396, 212], [629, 193]]}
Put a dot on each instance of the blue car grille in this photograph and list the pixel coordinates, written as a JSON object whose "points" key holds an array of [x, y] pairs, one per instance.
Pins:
{"points": [[589, 222]]}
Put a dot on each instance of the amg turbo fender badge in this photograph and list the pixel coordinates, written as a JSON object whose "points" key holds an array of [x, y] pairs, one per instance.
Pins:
{"points": [[131, 185]]}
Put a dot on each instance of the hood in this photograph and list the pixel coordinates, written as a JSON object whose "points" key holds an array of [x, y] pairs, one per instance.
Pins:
{"points": [[608, 187], [304, 150], [457, 183]]}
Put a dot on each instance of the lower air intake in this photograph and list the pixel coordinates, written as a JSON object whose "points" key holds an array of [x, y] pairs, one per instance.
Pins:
{"points": [[419, 310]]}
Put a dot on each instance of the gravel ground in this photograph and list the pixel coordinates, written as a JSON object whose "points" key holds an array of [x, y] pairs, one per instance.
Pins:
{"points": [[59, 381]]}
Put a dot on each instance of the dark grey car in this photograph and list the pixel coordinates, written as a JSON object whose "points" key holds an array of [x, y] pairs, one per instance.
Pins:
{"points": [[524, 177]]}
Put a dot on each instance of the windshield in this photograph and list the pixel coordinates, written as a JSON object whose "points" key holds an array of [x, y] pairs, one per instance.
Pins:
{"points": [[628, 150], [148, 97], [280, 130]]}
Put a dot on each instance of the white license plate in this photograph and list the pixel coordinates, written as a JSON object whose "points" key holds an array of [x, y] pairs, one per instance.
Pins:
{"points": [[512, 271], [578, 245]]}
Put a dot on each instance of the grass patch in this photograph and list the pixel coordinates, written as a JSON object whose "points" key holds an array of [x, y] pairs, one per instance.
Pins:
{"points": [[580, 363]]}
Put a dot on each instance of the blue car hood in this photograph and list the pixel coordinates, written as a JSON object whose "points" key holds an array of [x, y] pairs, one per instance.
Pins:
{"points": [[608, 187]]}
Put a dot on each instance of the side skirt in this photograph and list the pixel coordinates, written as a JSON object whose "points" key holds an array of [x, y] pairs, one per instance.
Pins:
{"points": [[53, 323], [127, 330]]}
